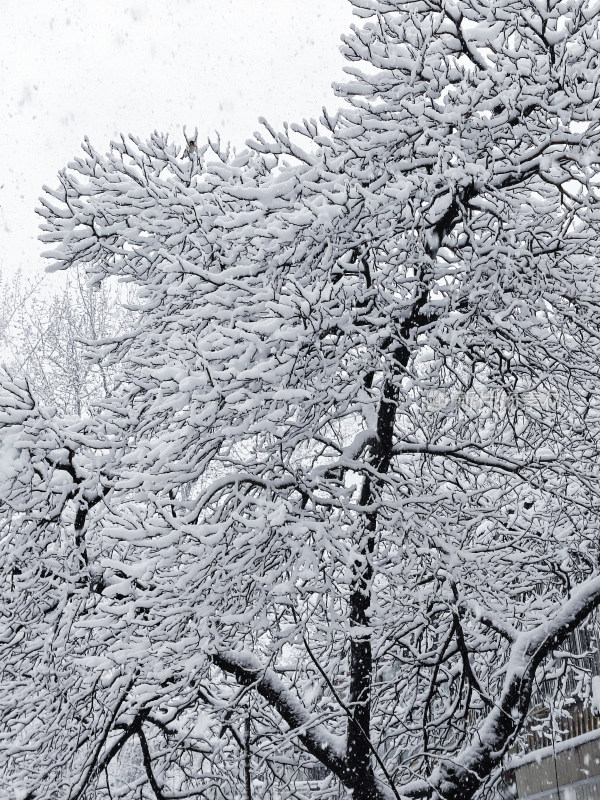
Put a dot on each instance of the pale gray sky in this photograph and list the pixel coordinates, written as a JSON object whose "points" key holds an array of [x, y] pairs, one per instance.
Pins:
{"points": [[70, 68]]}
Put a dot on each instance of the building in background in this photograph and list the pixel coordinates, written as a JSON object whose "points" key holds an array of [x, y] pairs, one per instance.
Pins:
{"points": [[568, 766]]}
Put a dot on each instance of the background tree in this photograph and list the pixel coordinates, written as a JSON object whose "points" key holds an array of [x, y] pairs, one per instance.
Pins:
{"points": [[45, 334], [342, 506]]}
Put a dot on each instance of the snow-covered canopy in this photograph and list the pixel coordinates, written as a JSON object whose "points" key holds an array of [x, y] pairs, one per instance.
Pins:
{"points": [[349, 461]]}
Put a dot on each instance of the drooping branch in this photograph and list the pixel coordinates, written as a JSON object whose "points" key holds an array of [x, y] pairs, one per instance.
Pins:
{"points": [[323, 745]]}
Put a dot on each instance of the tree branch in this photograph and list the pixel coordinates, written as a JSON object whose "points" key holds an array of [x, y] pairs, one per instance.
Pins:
{"points": [[460, 778], [319, 742]]}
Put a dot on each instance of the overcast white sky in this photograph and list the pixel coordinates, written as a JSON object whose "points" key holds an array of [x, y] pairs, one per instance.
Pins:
{"points": [[70, 68]]}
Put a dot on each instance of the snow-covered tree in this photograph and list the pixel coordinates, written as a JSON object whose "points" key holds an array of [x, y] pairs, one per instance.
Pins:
{"points": [[45, 335], [342, 506]]}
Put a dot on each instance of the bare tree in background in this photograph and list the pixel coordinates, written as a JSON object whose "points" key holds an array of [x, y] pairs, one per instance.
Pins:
{"points": [[49, 336], [341, 507]]}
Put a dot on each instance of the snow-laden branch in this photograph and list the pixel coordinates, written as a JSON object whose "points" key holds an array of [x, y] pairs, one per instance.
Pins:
{"points": [[323, 745], [466, 451], [267, 465], [461, 776]]}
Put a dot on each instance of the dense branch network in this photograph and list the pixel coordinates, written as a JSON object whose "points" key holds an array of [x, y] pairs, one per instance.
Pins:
{"points": [[339, 505]]}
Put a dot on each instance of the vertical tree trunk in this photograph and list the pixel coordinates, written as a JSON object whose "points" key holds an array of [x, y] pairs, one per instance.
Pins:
{"points": [[361, 657]]}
